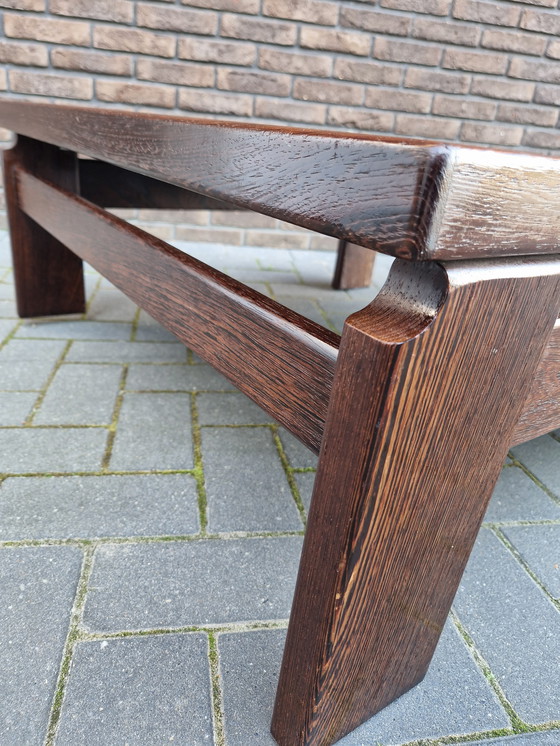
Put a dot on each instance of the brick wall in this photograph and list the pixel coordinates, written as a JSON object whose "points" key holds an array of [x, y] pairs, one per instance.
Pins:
{"points": [[461, 70]]}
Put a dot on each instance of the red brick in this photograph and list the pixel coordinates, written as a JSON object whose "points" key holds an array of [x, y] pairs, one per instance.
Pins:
{"points": [[319, 12], [238, 6], [497, 14], [141, 94], [270, 84], [547, 72], [539, 20], [216, 103], [288, 111], [242, 219], [491, 134], [432, 80], [433, 7], [134, 40], [543, 117], [347, 42], [272, 32], [176, 73], [277, 240], [281, 60], [177, 19], [513, 41], [193, 217], [231, 237], [47, 29], [367, 72], [4, 80], [554, 50], [106, 10], [478, 62], [328, 92], [47, 84], [92, 62], [548, 94], [224, 52], [407, 51], [543, 3], [449, 32], [395, 100], [20, 53], [23, 4], [378, 22], [463, 108], [511, 90], [542, 139], [430, 127]]}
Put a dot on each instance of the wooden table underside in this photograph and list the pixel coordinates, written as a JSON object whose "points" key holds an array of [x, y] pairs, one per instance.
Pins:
{"points": [[411, 410]]}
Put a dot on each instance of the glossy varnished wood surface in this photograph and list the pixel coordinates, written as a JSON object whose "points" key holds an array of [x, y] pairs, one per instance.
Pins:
{"points": [[410, 198], [48, 276], [280, 359], [429, 384]]}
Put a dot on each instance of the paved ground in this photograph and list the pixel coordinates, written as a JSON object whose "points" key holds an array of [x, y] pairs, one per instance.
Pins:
{"points": [[151, 519]]}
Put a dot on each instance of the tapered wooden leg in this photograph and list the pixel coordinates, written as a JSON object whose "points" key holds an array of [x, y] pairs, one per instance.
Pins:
{"points": [[48, 276], [354, 266], [430, 381]]}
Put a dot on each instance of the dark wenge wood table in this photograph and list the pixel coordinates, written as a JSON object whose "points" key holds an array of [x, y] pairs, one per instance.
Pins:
{"points": [[412, 409]]}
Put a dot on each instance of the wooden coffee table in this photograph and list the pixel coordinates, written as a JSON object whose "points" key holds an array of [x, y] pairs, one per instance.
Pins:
{"points": [[411, 410]]}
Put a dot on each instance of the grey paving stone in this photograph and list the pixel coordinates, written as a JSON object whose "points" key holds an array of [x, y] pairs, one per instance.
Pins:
{"points": [[517, 498], [74, 330], [177, 584], [453, 699], [263, 275], [80, 395], [7, 326], [138, 690], [246, 486], [230, 409], [39, 450], [8, 309], [127, 352], [549, 738], [540, 548], [542, 457], [314, 268], [153, 432], [7, 290], [176, 378], [298, 455], [15, 406], [92, 507], [25, 365], [38, 588], [109, 304], [515, 626], [305, 481], [149, 330]]}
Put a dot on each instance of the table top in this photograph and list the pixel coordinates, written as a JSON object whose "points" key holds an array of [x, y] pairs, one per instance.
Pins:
{"points": [[415, 199]]}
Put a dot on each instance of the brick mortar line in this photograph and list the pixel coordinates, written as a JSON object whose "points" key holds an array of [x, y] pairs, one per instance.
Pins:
{"points": [[525, 565], [535, 479], [289, 475], [517, 724], [218, 628], [68, 651], [216, 689], [43, 391], [128, 540], [112, 429], [202, 498]]}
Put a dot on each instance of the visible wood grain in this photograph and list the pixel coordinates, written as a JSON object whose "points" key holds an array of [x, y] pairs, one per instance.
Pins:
{"points": [[429, 384], [280, 359], [112, 186], [354, 266], [541, 411], [48, 277], [414, 199]]}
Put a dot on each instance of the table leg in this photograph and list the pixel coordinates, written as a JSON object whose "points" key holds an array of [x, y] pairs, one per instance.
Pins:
{"points": [[429, 384], [48, 276], [354, 266]]}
